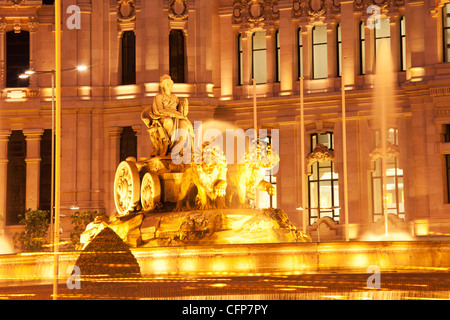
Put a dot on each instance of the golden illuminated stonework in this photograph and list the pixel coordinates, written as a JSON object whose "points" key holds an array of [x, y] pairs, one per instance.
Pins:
{"points": [[208, 200], [208, 174]]}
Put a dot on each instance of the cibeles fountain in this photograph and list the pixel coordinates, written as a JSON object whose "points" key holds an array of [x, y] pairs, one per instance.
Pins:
{"points": [[188, 192]]}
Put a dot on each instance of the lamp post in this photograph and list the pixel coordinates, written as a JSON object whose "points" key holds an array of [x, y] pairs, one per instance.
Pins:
{"points": [[56, 158]]}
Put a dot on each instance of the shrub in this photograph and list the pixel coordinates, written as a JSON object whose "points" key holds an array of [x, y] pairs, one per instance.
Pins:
{"points": [[33, 237]]}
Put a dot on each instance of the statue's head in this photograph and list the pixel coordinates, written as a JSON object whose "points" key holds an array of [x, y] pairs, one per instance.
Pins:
{"points": [[165, 81]]}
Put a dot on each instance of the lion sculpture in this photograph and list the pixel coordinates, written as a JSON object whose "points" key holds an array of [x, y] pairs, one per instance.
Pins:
{"points": [[208, 173], [244, 179]]}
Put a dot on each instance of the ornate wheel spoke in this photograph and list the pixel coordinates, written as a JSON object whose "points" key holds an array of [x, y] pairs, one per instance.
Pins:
{"points": [[126, 187], [150, 191]]}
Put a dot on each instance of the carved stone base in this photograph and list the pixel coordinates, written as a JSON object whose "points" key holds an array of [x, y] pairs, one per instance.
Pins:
{"points": [[201, 227]]}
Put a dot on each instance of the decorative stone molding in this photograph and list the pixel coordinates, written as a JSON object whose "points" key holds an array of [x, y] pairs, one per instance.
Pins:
{"points": [[391, 151], [255, 13], [362, 5], [178, 9], [16, 2], [2, 25], [320, 154], [439, 92], [33, 25], [126, 11], [315, 9]]}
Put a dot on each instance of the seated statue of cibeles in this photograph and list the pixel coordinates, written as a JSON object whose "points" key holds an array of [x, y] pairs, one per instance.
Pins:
{"points": [[164, 119]]}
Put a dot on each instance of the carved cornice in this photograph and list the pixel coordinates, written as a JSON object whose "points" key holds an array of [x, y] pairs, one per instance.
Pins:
{"points": [[255, 13], [178, 9], [16, 2], [315, 9], [126, 11]]}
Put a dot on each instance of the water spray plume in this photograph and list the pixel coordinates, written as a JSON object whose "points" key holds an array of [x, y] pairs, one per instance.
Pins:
{"points": [[5, 247], [383, 107]]}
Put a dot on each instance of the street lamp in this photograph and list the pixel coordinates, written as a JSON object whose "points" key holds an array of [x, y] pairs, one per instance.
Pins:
{"points": [[55, 183], [27, 74]]}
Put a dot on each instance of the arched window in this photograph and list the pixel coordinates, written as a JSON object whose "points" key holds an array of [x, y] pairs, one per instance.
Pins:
{"points": [[17, 58], [128, 58], [319, 47], [16, 177], [259, 57], [323, 184], [177, 55], [128, 143]]}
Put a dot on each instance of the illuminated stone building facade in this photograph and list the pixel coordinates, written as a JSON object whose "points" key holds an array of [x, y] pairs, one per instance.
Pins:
{"points": [[213, 49]]}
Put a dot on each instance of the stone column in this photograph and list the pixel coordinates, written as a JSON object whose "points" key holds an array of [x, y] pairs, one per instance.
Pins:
{"points": [[288, 52], [33, 161], [2, 55], [4, 138], [331, 49], [270, 55], [348, 30], [247, 63], [229, 53], [307, 50], [395, 41], [137, 128], [33, 27]]}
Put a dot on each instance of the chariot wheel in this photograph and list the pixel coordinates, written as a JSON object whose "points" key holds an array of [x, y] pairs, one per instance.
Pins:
{"points": [[150, 191], [126, 187]]}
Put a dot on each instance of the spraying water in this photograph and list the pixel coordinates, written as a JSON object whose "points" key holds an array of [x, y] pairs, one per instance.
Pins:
{"points": [[384, 86], [5, 247]]}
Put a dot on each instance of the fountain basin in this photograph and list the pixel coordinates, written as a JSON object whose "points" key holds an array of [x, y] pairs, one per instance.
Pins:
{"points": [[249, 259]]}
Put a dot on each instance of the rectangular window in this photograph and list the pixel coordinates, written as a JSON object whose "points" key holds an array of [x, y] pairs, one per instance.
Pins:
{"points": [[383, 32], [128, 58], [394, 190], [362, 48], [240, 59], [339, 49], [265, 200], [17, 58], [299, 53], [259, 57], [278, 56], [447, 161], [402, 44], [323, 183], [320, 63], [128, 143], [177, 56], [447, 133], [446, 31], [16, 177]]}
